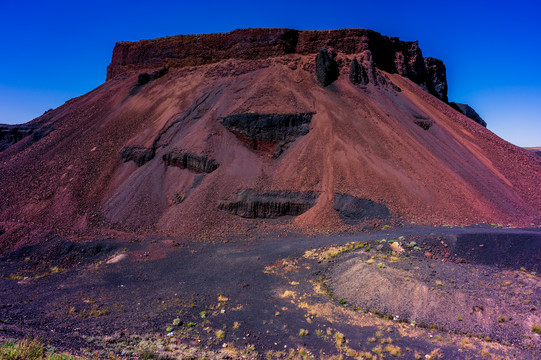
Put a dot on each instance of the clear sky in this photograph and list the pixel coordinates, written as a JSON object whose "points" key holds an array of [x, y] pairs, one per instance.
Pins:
{"points": [[53, 50]]}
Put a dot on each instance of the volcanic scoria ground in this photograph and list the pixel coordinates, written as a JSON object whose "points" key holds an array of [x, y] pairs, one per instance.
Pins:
{"points": [[270, 193]]}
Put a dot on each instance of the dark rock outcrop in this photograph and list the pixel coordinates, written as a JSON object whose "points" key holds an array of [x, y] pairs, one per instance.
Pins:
{"points": [[269, 133], [469, 112], [249, 204], [364, 72], [352, 209], [145, 78], [190, 161], [389, 53], [424, 122], [11, 134], [436, 78], [326, 67], [140, 155], [357, 73]]}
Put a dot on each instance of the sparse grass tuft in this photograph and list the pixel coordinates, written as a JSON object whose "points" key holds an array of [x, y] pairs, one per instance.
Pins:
{"points": [[536, 329], [303, 332], [220, 334], [435, 354], [340, 338], [393, 350], [31, 349]]}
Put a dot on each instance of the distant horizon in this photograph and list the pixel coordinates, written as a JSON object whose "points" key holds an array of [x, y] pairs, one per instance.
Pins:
{"points": [[61, 51]]}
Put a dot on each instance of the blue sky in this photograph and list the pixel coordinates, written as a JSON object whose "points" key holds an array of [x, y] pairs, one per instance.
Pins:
{"points": [[55, 50]]}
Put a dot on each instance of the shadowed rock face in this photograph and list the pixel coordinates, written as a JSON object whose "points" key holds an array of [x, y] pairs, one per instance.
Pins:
{"points": [[437, 78], [11, 134], [326, 67], [468, 111], [140, 155], [357, 73], [190, 161], [364, 72], [352, 209], [146, 77], [269, 133], [250, 204]]}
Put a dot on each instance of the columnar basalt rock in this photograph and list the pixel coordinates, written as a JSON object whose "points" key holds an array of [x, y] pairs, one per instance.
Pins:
{"points": [[140, 155], [326, 67], [250, 204], [269, 133], [190, 161]]}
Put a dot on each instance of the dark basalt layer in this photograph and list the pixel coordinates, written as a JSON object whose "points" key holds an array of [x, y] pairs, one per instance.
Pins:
{"points": [[469, 112], [352, 209], [146, 77], [249, 204], [268, 132], [326, 67], [140, 155], [390, 54], [190, 161], [11, 134]]}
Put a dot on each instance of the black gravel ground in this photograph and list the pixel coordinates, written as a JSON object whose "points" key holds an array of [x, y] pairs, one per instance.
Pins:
{"points": [[102, 294]]}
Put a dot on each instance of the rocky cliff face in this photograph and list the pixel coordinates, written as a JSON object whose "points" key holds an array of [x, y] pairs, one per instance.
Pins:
{"points": [[389, 53], [468, 111], [11, 134]]}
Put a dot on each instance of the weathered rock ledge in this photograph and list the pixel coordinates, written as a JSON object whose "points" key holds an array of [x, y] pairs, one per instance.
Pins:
{"points": [[389, 53]]}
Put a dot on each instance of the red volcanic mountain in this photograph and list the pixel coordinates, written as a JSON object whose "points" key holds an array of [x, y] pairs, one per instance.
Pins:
{"points": [[216, 134]]}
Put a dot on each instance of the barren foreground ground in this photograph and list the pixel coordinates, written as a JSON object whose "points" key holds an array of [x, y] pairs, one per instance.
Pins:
{"points": [[404, 292]]}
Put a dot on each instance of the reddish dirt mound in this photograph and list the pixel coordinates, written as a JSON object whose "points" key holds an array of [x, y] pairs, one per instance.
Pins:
{"points": [[101, 163]]}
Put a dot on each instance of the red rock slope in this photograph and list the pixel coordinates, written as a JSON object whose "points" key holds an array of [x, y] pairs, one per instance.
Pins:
{"points": [[173, 149]]}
